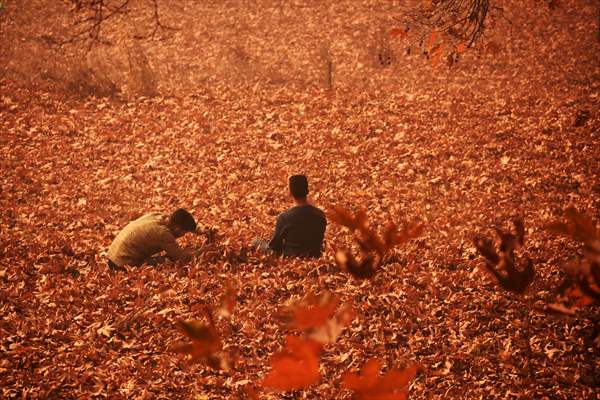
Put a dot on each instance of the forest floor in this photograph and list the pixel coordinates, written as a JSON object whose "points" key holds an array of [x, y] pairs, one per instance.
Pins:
{"points": [[463, 152]]}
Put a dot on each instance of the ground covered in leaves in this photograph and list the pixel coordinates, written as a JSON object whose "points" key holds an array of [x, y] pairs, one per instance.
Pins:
{"points": [[463, 150]]}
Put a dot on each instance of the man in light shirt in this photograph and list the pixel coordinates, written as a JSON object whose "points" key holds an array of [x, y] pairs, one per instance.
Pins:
{"points": [[148, 235]]}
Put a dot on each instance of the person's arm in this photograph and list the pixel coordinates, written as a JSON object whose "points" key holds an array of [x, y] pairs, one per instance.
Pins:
{"points": [[276, 243], [174, 252], [211, 234]]}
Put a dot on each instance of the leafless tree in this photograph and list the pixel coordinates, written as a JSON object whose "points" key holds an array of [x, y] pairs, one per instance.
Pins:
{"points": [[91, 16], [461, 20]]}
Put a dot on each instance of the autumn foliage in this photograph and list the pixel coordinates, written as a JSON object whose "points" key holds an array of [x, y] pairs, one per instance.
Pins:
{"points": [[296, 367], [465, 149], [373, 247], [205, 342], [582, 284], [502, 264], [371, 385]]}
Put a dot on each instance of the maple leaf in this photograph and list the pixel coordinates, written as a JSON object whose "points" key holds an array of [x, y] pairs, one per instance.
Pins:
{"points": [[571, 297], [578, 227], [392, 237], [589, 281], [106, 330], [228, 301], [365, 269], [502, 265], [461, 48], [312, 311], [251, 392], [330, 331], [553, 4], [370, 242], [560, 308], [436, 54], [370, 385], [510, 242], [582, 284], [296, 367], [317, 316], [340, 215], [433, 37], [398, 33], [54, 266], [493, 48], [205, 340], [581, 118], [373, 248]]}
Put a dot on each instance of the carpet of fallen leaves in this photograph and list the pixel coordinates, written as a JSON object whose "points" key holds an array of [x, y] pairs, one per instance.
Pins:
{"points": [[464, 151]]}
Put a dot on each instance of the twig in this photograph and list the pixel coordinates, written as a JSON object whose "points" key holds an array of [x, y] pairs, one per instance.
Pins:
{"points": [[94, 14], [157, 23]]}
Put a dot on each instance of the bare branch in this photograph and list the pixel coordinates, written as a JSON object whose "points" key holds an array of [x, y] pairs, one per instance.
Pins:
{"points": [[446, 25], [157, 24], [92, 15]]}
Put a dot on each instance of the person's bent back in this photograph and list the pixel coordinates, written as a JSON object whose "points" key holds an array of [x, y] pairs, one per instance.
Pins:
{"points": [[148, 235], [300, 230]]}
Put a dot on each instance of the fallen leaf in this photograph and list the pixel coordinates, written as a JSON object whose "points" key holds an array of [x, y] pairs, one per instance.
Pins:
{"points": [[502, 266], [228, 301], [312, 311], [398, 33], [296, 367], [370, 385], [205, 340]]}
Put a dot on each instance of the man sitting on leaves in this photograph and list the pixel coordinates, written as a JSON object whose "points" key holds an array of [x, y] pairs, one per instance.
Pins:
{"points": [[151, 234], [299, 231]]}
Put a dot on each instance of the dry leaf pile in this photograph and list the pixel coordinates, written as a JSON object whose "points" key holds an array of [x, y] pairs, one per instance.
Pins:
{"points": [[462, 151]]}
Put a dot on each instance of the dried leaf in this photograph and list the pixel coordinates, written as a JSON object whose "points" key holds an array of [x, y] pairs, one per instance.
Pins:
{"points": [[228, 301], [393, 238], [560, 308], [296, 367], [313, 311], [330, 331], [493, 48], [461, 48], [365, 269], [344, 217], [398, 33], [369, 242], [432, 39], [502, 265], [578, 226], [205, 340], [251, 392], [582, 286], [370, 385], [373, 248], [437, 53]]}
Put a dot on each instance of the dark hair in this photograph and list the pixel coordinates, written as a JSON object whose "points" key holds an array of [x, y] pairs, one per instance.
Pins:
{"points": [[299, 186], [184, 219]]}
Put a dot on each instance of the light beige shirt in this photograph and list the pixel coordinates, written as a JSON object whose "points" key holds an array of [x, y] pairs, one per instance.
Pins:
{"points": [[142, 238]]}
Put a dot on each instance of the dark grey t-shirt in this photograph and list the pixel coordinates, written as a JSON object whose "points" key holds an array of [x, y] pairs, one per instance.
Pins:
{"points": [[299, 232]]}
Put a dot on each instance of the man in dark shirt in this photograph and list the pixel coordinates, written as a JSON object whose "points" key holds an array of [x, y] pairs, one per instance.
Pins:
{"points": [[299, 231]]}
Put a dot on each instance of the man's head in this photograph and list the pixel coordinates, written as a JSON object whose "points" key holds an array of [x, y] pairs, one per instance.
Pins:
{"points": [[181, 222], [299, 187]]}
